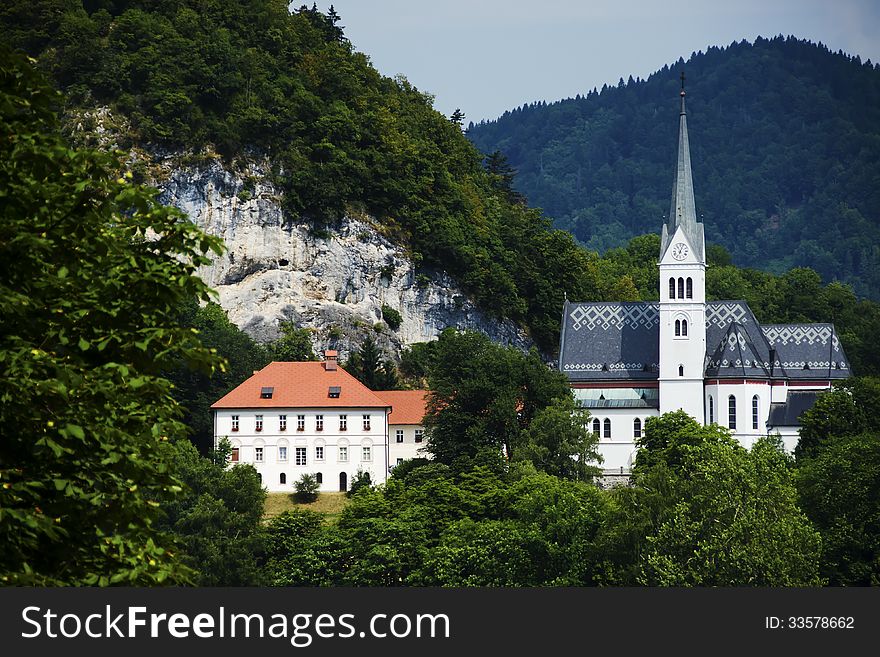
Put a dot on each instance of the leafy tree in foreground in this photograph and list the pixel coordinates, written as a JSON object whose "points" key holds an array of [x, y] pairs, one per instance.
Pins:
{"points": [[840, 492], [218, 518], [703, 511], [92, 275], [559, 443], [850, 408], [196, 391], [484, 395]]}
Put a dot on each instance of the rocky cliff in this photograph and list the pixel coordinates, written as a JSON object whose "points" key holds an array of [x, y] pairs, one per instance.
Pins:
{"points": [[333, 281]]}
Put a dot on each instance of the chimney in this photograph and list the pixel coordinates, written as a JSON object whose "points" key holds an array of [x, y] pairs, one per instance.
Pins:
{"points": [[330, 360]]}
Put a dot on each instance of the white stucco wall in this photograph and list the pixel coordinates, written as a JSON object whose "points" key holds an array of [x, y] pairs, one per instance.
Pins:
{"points": [[331, 439]]}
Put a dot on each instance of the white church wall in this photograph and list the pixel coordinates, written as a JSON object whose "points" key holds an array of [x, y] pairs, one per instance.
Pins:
{"points": [[618, 450]]}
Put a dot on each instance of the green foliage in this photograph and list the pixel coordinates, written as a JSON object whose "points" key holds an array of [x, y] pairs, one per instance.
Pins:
{"points": [[784, 144], [433, 527], [294, 345], [370, 366], [559, 443], [851, 408], [361, 481], [218, 518], [391, 317], [289, 539], [484, 395], [307, 488], [195, 391], [703, 511], [840, 492], [93, 272]]}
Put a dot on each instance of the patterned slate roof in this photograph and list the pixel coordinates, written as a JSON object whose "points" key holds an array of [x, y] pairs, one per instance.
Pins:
{"points": [[808, 351], [610, 341], [788, 413], [620, 341]]}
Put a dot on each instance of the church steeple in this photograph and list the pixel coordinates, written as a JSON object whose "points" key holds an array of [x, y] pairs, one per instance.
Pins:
{"points": [[682, 209]]}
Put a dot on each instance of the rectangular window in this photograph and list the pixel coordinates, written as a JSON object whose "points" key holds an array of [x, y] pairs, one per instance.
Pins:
{"points": [[399, 435], [300, 456], [343, 423], [319, 453], [282, 423], [235, 423], [366, 422], [343, 454], [366, 453], [258, 454], [419, 434], [234, 456], [259, 423], [319, 423], [300, 422], [731, 412], [282, 453]]}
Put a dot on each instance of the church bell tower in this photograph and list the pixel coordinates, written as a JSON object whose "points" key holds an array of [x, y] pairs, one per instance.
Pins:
{"points": [[682, 291]]}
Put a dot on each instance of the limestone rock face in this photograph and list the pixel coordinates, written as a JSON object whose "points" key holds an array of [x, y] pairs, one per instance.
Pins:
{"points": [[333, 281]]}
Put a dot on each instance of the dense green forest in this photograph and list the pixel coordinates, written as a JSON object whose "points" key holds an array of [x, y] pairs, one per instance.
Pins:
{"points": [[108, 354], [785, 146]]}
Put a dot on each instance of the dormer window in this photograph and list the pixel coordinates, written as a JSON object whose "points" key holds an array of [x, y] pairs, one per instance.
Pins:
{"points": [[334, 392], [266, 392]]}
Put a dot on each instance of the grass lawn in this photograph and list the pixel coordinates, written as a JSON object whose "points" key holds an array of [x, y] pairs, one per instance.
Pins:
{"points": [[330, 504]]}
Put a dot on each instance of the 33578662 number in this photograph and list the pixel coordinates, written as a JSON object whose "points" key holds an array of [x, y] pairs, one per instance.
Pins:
{"points": [[820, 622]]}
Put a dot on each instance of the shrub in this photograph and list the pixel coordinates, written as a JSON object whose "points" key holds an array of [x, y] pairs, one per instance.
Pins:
{"points": [[391, 317], [361, 480], [307, 488]]}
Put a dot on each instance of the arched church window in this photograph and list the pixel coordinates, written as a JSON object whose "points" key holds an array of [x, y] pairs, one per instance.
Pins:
{"points": [[684, 327], [677, 327], [731, 412], [597, 427], [607, 424], [637, 428], [711, 410], [671, 288], [690, 288], [681, 288], [755, 412], [681, 370], [282, 478]]}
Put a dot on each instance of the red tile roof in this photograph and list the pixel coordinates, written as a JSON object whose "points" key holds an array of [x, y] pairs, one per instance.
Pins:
{"points": [[301, 385], [407, 406]]}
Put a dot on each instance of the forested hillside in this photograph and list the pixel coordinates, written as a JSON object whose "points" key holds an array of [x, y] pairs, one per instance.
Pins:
{"points": [[785, 146], [239, 78]]}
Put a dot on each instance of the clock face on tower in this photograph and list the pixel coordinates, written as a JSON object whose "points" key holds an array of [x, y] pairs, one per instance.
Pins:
{"points": [[680, 251]]}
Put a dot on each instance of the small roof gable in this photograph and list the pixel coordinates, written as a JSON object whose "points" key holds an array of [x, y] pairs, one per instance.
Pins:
{"points": [[301, 385], [807, 351], [407, 406], [736, 355]]}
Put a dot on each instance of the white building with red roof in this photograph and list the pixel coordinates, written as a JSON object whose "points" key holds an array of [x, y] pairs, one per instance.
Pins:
{"points": [[290, 419], [406, 431]]}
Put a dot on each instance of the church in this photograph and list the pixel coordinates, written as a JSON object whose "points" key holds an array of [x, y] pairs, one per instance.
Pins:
{"points": [[630, 361]]}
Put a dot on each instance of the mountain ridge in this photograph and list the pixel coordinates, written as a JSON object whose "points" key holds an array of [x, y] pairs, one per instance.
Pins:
{"points": [[785, 138]]}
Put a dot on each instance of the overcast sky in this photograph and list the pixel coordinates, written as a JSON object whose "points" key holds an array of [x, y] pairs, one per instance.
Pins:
{"points": [[488, 56]]}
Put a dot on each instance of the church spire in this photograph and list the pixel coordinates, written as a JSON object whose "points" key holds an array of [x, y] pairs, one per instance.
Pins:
{"points": [[682, 210]]}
